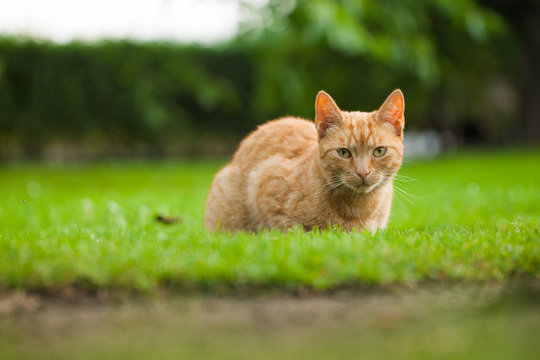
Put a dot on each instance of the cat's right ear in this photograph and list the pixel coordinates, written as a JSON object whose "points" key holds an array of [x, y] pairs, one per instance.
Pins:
{"points": [[392, 110], [327, 113]]}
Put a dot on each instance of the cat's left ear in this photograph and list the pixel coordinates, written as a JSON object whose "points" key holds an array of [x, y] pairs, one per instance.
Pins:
{"points": [[392, 111], [327, 113]]}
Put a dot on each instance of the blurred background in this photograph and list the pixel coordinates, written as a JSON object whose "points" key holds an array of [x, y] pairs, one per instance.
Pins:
{"points": [[93, 79]]}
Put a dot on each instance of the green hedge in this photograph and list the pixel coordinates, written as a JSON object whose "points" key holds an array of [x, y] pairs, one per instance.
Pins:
{"points": [[157, 96], [119, 92]]}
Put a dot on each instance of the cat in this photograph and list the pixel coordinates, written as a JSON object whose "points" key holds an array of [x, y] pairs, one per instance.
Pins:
{"points": [[292, 172]]}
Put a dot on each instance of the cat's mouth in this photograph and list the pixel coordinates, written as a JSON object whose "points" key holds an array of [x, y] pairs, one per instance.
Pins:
{"points": [[362, 187], [354, 185]]}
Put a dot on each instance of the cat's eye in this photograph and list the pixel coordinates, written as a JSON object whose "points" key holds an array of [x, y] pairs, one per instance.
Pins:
{"points": [[380, 151], [344, 153]]}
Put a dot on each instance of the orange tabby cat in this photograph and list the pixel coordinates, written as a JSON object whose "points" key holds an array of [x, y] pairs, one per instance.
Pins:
{"points": [[336, 171]]}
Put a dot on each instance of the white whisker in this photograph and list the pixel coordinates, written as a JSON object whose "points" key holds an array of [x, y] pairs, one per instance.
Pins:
{"points": [[406, 178], [334, 184], [405, 194]]}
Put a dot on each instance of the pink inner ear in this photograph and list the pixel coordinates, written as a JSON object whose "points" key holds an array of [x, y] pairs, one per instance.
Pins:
{"points": [[322, 127], [392, 110], [393, 114], [327, 113]]}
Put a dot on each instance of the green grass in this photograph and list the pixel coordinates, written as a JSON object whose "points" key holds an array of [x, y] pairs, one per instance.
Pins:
{"points": [[474, 216]]}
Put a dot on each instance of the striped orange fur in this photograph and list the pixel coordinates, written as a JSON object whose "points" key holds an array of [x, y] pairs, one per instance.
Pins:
{"points": [[294, 172]]}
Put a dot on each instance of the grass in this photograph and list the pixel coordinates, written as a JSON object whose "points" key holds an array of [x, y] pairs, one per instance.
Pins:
{"points": [[471, 216]]}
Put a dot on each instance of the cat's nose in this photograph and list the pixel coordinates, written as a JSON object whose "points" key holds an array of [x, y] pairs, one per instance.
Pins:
{"points": [[362, 173]]}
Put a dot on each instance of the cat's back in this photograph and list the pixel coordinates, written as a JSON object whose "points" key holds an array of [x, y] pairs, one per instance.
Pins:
{"points": [[273, 149], [288, 137]]}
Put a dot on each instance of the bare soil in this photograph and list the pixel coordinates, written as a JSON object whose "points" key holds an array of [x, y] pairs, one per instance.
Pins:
{"points": [[114, 325]]}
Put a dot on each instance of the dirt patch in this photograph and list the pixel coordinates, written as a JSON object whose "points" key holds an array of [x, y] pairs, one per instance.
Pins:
{"points": [[18, 302], [403, 323], [79, 308]]}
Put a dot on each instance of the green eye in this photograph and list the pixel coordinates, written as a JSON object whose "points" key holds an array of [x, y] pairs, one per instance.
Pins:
{"points": [[344, 153], [380, 151]]}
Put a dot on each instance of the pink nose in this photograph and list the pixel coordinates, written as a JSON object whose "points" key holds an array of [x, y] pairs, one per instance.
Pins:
{"points": [[362, 173]]}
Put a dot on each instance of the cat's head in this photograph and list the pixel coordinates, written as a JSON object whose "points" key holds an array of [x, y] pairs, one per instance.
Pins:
{"points": [[360, 150]]}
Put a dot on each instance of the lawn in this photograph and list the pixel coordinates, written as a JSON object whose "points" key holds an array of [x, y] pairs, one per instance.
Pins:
{"points": [[471, 216], [455, 275]]}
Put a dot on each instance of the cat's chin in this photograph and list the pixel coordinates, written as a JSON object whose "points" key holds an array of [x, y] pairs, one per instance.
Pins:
{"points": [[361, 188]]}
